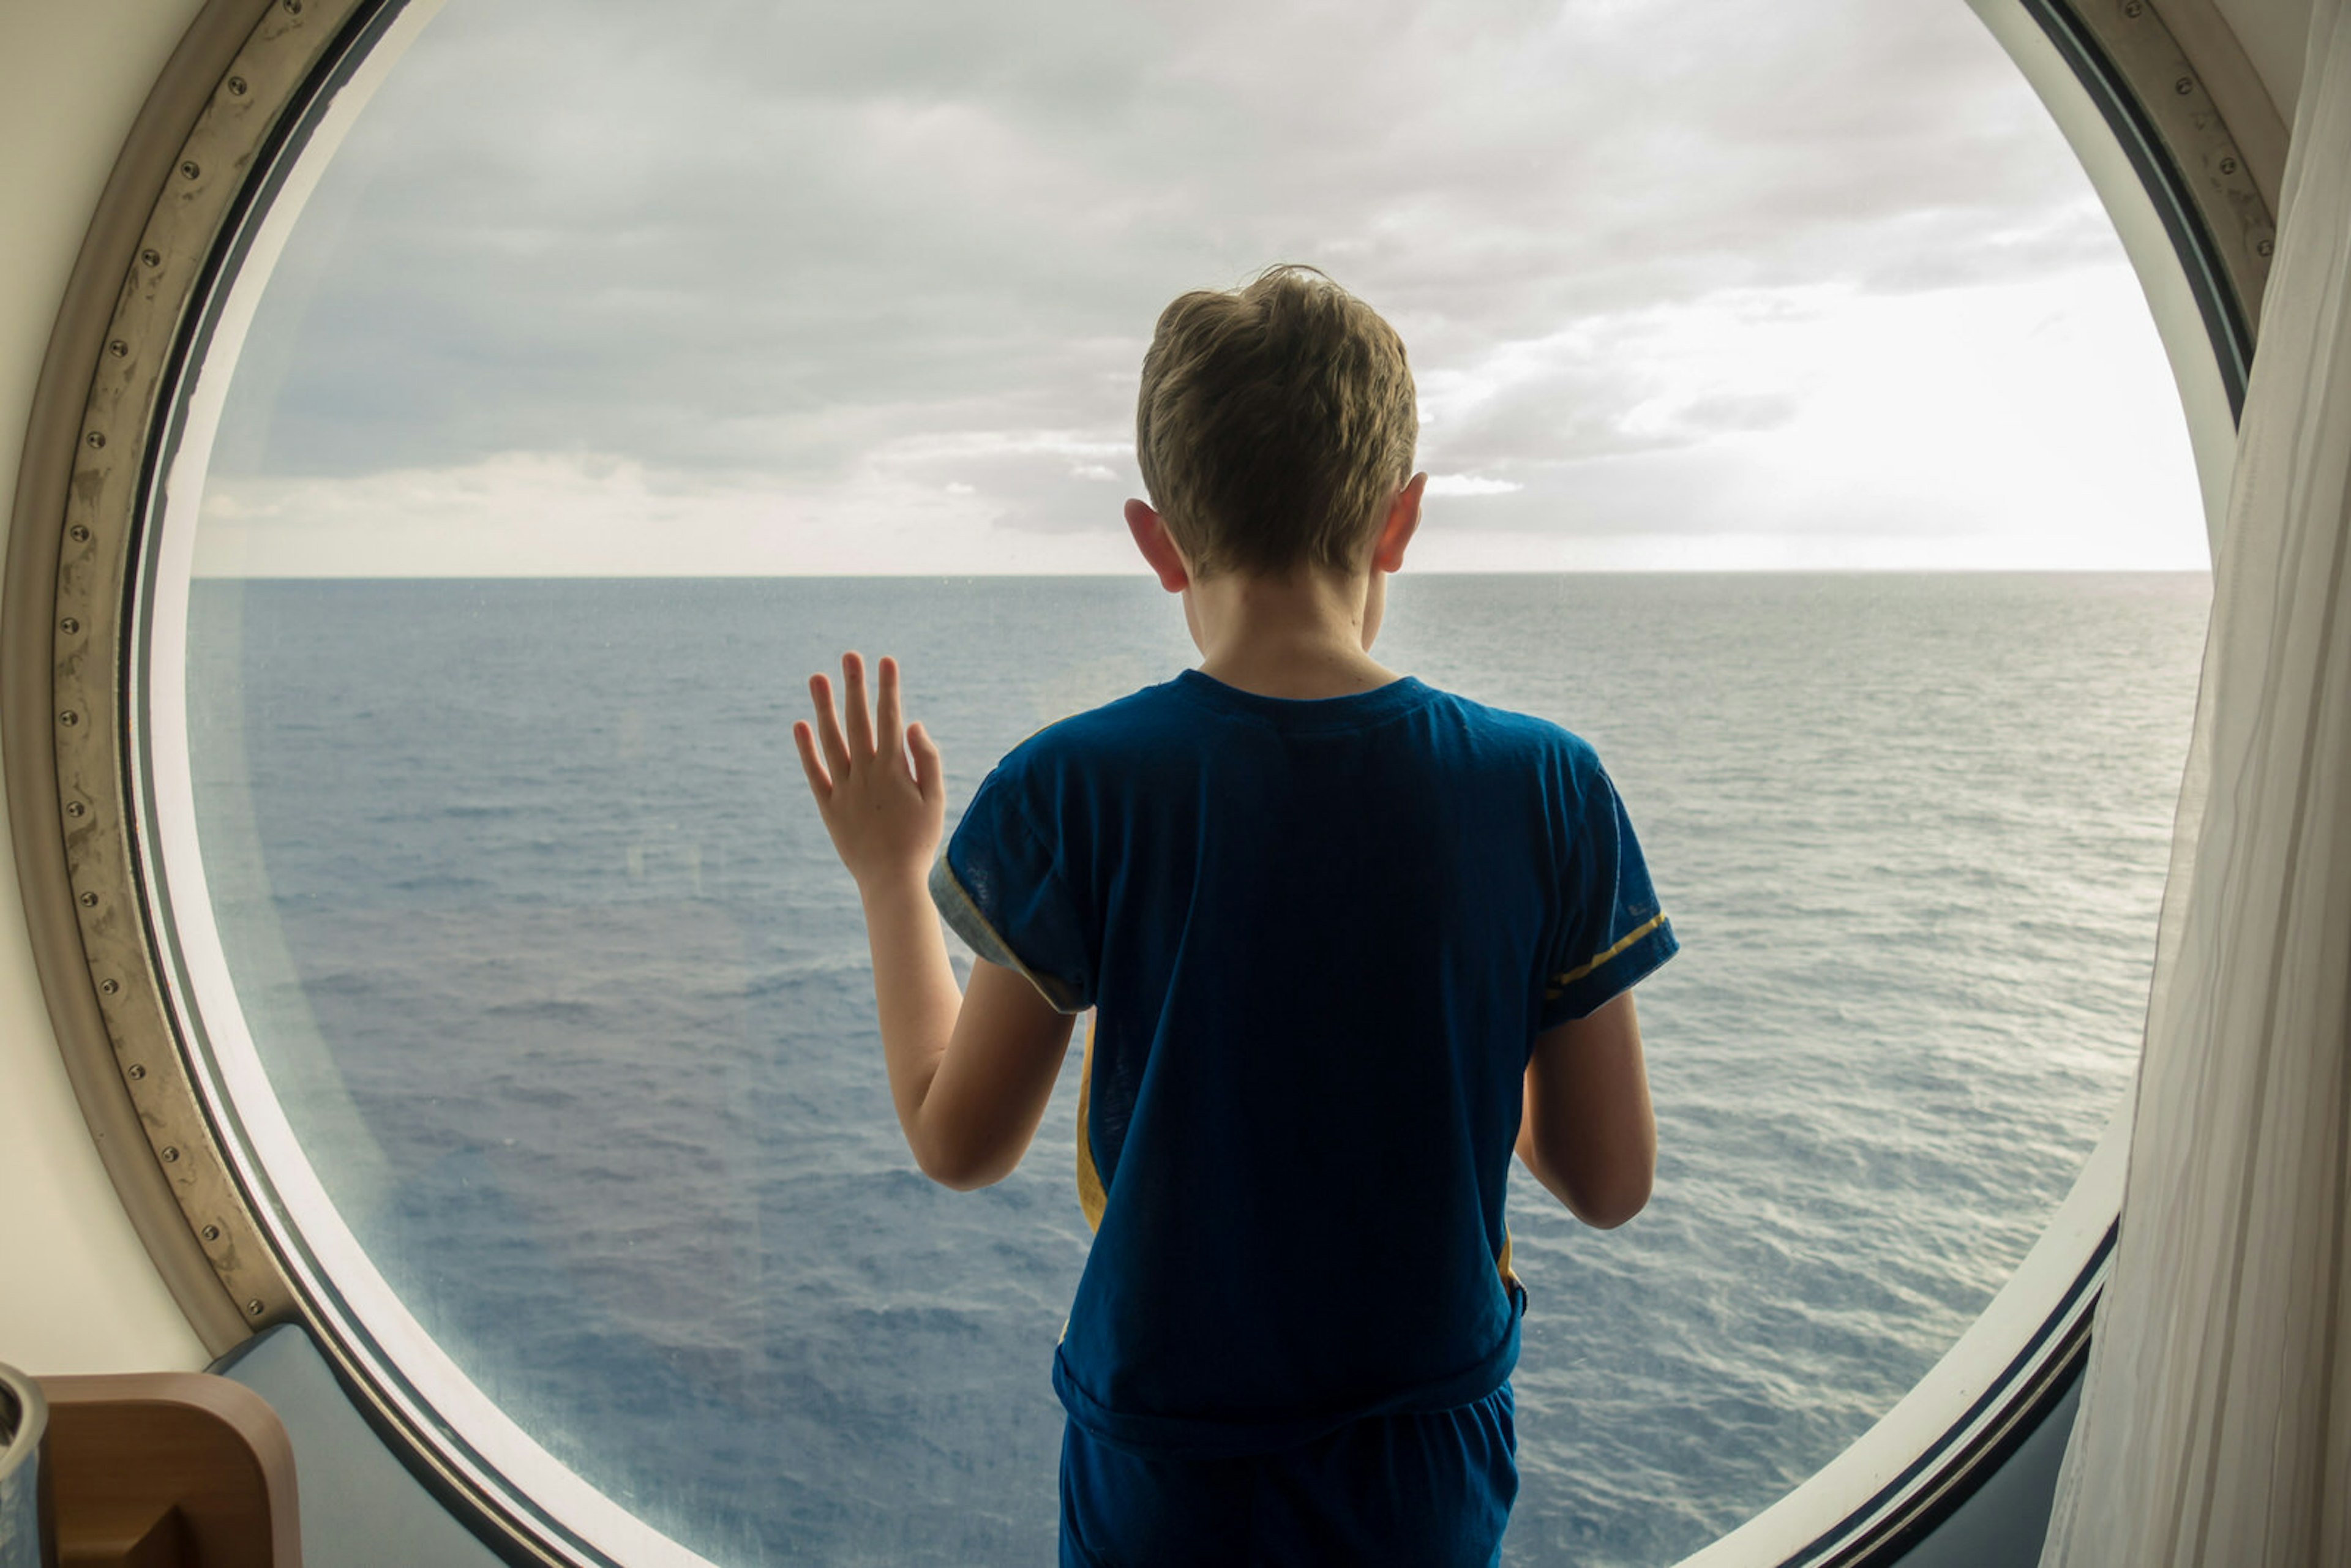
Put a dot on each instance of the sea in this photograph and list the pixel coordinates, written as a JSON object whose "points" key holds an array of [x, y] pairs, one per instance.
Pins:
{"points": [[553, 969]]}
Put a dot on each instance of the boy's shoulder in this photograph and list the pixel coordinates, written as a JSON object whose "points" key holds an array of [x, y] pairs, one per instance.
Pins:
{"points": [[1526, 729], [1120, 726], [1194, 709]]}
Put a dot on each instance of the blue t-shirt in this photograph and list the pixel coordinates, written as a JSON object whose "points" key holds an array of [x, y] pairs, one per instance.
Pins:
{"points": [[1318, 938]]}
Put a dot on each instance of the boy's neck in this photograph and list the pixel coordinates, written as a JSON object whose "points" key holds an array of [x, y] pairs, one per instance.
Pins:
{"points": [[1306, 635]]}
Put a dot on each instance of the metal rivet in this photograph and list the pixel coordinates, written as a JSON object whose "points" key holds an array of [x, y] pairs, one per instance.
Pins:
{"points": [[170, 1156], [90, 901], [78, 533], [189, 170], [75, 810], [212, 1232], [118, 348], [236, 86], [96, 438], [2228, 165], [69, 625], [292, 8], [2264, 248], [253, 1309], [70, 718], [109, 986], [2184, 85], [134, 1073], [151, 256], [2135, 10]]}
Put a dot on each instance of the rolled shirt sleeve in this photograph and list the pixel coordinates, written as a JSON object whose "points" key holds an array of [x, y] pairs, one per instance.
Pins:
{"points": [[1612, 932], [1004, 888]]}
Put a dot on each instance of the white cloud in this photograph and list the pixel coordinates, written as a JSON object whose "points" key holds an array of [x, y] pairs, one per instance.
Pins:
{"points": [[561, 513], [1469, 485], [1703, 269]]}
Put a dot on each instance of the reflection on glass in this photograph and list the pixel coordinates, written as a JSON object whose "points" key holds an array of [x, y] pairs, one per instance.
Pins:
{"points": [[552, 967]]}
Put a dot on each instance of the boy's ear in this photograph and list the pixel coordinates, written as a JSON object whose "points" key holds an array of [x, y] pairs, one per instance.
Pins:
{"points": [[1151, 538], [1403, 522]]}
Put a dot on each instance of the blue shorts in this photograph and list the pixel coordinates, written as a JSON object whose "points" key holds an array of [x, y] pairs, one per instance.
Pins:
{"points": [[1431, 1488]]}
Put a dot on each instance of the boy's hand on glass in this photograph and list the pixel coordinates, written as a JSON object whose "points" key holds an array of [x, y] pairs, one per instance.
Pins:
{"points": [[878, 783]]}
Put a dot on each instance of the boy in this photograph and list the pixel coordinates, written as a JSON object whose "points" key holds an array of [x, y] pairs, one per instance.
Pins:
{"points": [[1348, 942]]}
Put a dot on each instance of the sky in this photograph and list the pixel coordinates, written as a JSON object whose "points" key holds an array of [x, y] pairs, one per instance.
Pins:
{"points": [[598, 288]]}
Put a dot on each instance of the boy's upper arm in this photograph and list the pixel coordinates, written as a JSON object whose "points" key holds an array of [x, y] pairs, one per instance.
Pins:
{"points": [[1005, 888], [1588, 1068], [1587, 1128], [994, 1079], [1588, 1117]]}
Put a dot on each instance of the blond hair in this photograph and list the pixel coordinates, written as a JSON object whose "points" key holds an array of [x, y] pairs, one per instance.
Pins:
{"points": [[1276, 421]]}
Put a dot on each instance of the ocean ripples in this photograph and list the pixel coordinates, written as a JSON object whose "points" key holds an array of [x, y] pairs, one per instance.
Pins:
{"points": [[556, 976]]}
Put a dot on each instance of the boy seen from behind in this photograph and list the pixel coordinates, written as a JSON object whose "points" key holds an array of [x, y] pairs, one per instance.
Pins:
{"points": [[1348, 941]]}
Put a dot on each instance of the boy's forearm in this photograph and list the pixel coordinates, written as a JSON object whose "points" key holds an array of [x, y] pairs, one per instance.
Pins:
{"points": [[914, 991]]}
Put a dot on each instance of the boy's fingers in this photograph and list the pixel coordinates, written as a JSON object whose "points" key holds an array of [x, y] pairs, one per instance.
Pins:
{"points": [[828, 726], [927, 772], [889, 720], [857, 715], [804, 742]]}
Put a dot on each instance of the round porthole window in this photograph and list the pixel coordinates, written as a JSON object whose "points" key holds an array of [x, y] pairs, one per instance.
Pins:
{"points": [[560, 384]]}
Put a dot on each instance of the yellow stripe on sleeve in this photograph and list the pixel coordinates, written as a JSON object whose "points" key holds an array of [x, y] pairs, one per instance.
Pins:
{"points": [[1560, 982]]}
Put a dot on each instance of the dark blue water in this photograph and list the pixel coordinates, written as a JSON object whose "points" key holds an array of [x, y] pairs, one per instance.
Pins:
{"points": [[552, 967]]}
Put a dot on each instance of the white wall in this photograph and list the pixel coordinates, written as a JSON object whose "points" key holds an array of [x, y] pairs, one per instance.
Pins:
{"points": [[77, 1293]]}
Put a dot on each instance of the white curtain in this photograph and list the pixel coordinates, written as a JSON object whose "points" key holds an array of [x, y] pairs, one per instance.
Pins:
{"points": [[2215, 1425]]}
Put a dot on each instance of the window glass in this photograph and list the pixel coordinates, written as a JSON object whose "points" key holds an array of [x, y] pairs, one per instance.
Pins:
{"points": [[1798, 437]]}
